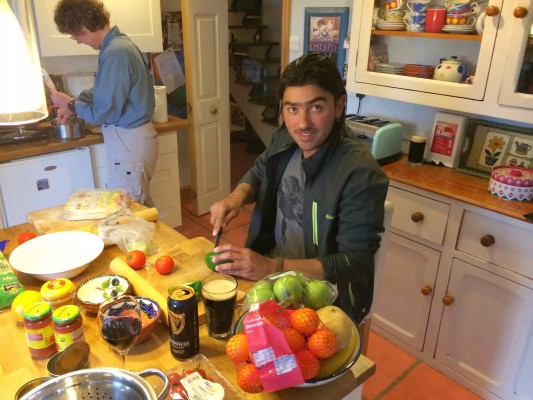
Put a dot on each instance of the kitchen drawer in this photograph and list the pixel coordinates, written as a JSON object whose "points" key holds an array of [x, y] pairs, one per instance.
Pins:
{"points": [[418, 215], [507, 242]]}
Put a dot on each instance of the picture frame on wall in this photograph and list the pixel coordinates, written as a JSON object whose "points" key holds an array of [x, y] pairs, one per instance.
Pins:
{"points": [[490, 144], [325, 31]]}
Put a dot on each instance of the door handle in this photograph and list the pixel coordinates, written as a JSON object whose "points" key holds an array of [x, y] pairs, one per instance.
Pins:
{"points": [[213, 110]]}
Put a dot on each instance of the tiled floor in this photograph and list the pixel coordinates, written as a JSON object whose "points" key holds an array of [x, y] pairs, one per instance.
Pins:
{"points": [[399, 375]]}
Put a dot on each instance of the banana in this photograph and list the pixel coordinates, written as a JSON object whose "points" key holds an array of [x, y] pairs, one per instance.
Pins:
{"points": [[329, 366]]}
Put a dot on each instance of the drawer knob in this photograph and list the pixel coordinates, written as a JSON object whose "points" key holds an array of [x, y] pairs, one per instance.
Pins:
{"points": [[213, 110], [447, 300], [487, 240], [492, 11], [417, 216], [426, 290], [520, 12]]}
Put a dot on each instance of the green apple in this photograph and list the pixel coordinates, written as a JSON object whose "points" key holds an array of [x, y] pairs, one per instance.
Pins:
{"points": [[317, 294], [288, 290], [209, 261], [263, 284], [256, 295]]}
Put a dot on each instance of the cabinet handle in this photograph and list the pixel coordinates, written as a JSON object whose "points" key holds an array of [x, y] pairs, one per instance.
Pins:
{"points": [[417, 216], [520, 12], [487, 240], [213, 110], [492, 11], [426, 290], [447, 300]]}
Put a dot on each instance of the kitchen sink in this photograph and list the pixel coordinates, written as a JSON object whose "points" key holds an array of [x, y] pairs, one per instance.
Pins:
{"points": [[18, 134]]}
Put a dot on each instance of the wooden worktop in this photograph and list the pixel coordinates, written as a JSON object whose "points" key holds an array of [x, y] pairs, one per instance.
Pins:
{"points": [[15, 151], [457, 185], [17, 367]]}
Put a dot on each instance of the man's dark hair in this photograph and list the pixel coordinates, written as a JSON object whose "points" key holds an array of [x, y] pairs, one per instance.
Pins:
{"points": [[71, 16], [313, 69]]}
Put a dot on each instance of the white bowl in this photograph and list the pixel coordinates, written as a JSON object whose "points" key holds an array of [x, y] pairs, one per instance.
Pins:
{"points": [[57, 255]]}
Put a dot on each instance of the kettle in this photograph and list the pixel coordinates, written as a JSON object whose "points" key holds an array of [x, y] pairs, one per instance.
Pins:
{"points": [[451, 70]]}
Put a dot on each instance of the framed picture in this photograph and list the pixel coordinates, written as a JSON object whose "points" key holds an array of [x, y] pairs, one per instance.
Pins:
{"points": [[490, 144], [325, 31]]}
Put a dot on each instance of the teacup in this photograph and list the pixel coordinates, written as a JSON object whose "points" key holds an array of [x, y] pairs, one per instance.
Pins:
{"points": [[415, 22], [393, 15], [418, 6], [459, 7], [393, 4], [463, 19]]}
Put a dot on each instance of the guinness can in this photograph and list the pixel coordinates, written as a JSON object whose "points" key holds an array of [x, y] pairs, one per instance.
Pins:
{"points": [[183, 322]]}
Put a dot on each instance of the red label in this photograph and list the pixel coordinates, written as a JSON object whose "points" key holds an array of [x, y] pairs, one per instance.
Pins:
{"points": [[444, 138]]}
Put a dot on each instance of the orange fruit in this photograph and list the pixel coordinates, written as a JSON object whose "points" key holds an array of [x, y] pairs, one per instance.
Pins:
{"points": [[248, 379], [237, 348], [295, 339], [308, 363], [305, 320], [322, 343]]}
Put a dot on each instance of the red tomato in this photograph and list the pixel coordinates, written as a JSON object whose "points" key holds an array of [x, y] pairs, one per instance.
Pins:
{"points": [[136, 259], [174, 378], [192, 371], [25, 236], [178, 392], [164, 265]]}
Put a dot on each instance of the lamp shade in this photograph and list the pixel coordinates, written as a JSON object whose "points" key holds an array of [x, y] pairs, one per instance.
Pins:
{"points": [[22, 98]]}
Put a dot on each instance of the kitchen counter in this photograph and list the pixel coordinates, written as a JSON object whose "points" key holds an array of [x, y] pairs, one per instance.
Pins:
{"points": [[15, 151], [17, 367], [457, 185]]}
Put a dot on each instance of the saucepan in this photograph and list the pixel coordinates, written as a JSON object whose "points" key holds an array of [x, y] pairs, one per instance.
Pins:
{"points": [[73, 129]]}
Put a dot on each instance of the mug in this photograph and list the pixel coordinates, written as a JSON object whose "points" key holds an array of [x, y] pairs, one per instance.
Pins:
{"points": [[393, 4], [393, 15], [418, 6], [464, 19], [461, 7], [415, 22], [435, 18]]}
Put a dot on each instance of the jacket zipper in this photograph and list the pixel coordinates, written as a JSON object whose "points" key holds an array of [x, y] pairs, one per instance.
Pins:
{"points": [[315, 224]]}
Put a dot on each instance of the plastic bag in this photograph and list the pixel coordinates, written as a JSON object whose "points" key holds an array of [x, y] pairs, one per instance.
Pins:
{"points": [[292, 289], [95, 203], [10, 286], [128, 232]]}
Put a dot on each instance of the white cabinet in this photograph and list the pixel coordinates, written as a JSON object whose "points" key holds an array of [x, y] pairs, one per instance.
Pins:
{"points": [[461, 300], [498, 60], [139, 19], [165, 184]]}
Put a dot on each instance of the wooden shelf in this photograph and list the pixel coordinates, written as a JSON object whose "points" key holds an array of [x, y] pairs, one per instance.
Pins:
{"points": [[445, 36]]}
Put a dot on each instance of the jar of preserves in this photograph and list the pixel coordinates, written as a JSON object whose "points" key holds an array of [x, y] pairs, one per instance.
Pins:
{"points": [[39, 330], [58, 292], [68, 326]]}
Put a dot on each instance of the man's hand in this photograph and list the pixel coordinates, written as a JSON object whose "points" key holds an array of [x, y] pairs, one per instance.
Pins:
{"points": [[223, 211], [59, 99], [245, 262], [62, 115]]}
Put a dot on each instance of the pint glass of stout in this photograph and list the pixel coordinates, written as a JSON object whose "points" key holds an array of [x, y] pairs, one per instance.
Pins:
{"points": [[220, 295]]}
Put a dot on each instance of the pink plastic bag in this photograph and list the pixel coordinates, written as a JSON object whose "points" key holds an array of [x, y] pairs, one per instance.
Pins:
{"points": [[270, 351]]}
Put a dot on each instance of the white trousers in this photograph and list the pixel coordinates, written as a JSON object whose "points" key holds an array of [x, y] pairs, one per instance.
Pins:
{"points": [[131, 158]]}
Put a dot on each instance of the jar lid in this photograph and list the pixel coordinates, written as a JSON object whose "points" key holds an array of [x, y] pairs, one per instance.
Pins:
{"points": [[65, 314], [73, 358], [37, 310], [57, 289]]}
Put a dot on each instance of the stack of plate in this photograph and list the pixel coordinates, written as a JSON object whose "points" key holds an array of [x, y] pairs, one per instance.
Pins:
{"points": [[419, 71], [391, 68], [390, 25], [459, 29]]}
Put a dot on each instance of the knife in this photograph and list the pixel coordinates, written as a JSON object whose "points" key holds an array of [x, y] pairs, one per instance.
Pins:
{"points": [[217, 238]]}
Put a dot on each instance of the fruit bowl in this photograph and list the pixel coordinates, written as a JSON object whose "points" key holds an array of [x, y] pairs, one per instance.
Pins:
{"points": [[356, 352], [56, 255], [151, 312], [94, 291]]}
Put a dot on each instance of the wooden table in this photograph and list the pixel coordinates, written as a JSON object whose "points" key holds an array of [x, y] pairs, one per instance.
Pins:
{"points": [[17, 367]]}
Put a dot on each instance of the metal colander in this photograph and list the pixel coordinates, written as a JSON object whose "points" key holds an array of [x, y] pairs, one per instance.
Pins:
{"points": [[100, 384]]}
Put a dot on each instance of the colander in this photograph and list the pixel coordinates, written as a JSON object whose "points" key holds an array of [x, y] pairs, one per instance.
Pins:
{"points": [[100, 384]]}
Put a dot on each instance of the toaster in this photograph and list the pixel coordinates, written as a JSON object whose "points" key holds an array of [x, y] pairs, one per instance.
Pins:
{"points": [[382, 138]]}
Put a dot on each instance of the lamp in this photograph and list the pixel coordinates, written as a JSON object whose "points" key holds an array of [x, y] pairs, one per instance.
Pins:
{"points": [[22, 98]]}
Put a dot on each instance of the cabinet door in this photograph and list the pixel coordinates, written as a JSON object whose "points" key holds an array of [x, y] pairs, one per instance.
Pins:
{"points": [[401, 309], [486, 332], [517, 82], [422, 48], [139, 19]]}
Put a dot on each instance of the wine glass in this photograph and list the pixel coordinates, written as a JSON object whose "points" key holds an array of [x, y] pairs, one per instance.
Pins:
{"points": [[119, 322]]}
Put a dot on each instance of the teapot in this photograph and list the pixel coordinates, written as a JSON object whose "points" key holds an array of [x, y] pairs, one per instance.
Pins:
{"points": [[450, 70]]}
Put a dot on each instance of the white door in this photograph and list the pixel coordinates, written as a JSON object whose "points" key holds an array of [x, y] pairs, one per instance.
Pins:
{"points": [[486, 332], [402, 305], [205, 37]]}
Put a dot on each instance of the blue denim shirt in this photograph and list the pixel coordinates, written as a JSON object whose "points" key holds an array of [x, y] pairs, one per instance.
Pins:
{"points": [[123, 92]]}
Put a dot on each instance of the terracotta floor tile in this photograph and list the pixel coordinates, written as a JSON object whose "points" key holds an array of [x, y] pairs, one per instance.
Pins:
{"points": [[390, 361], [423, 383], [191, 229], [237, 236]]}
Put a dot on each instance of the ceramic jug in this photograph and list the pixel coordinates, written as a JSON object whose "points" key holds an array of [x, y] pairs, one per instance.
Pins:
{"points": [[451, 70]]}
